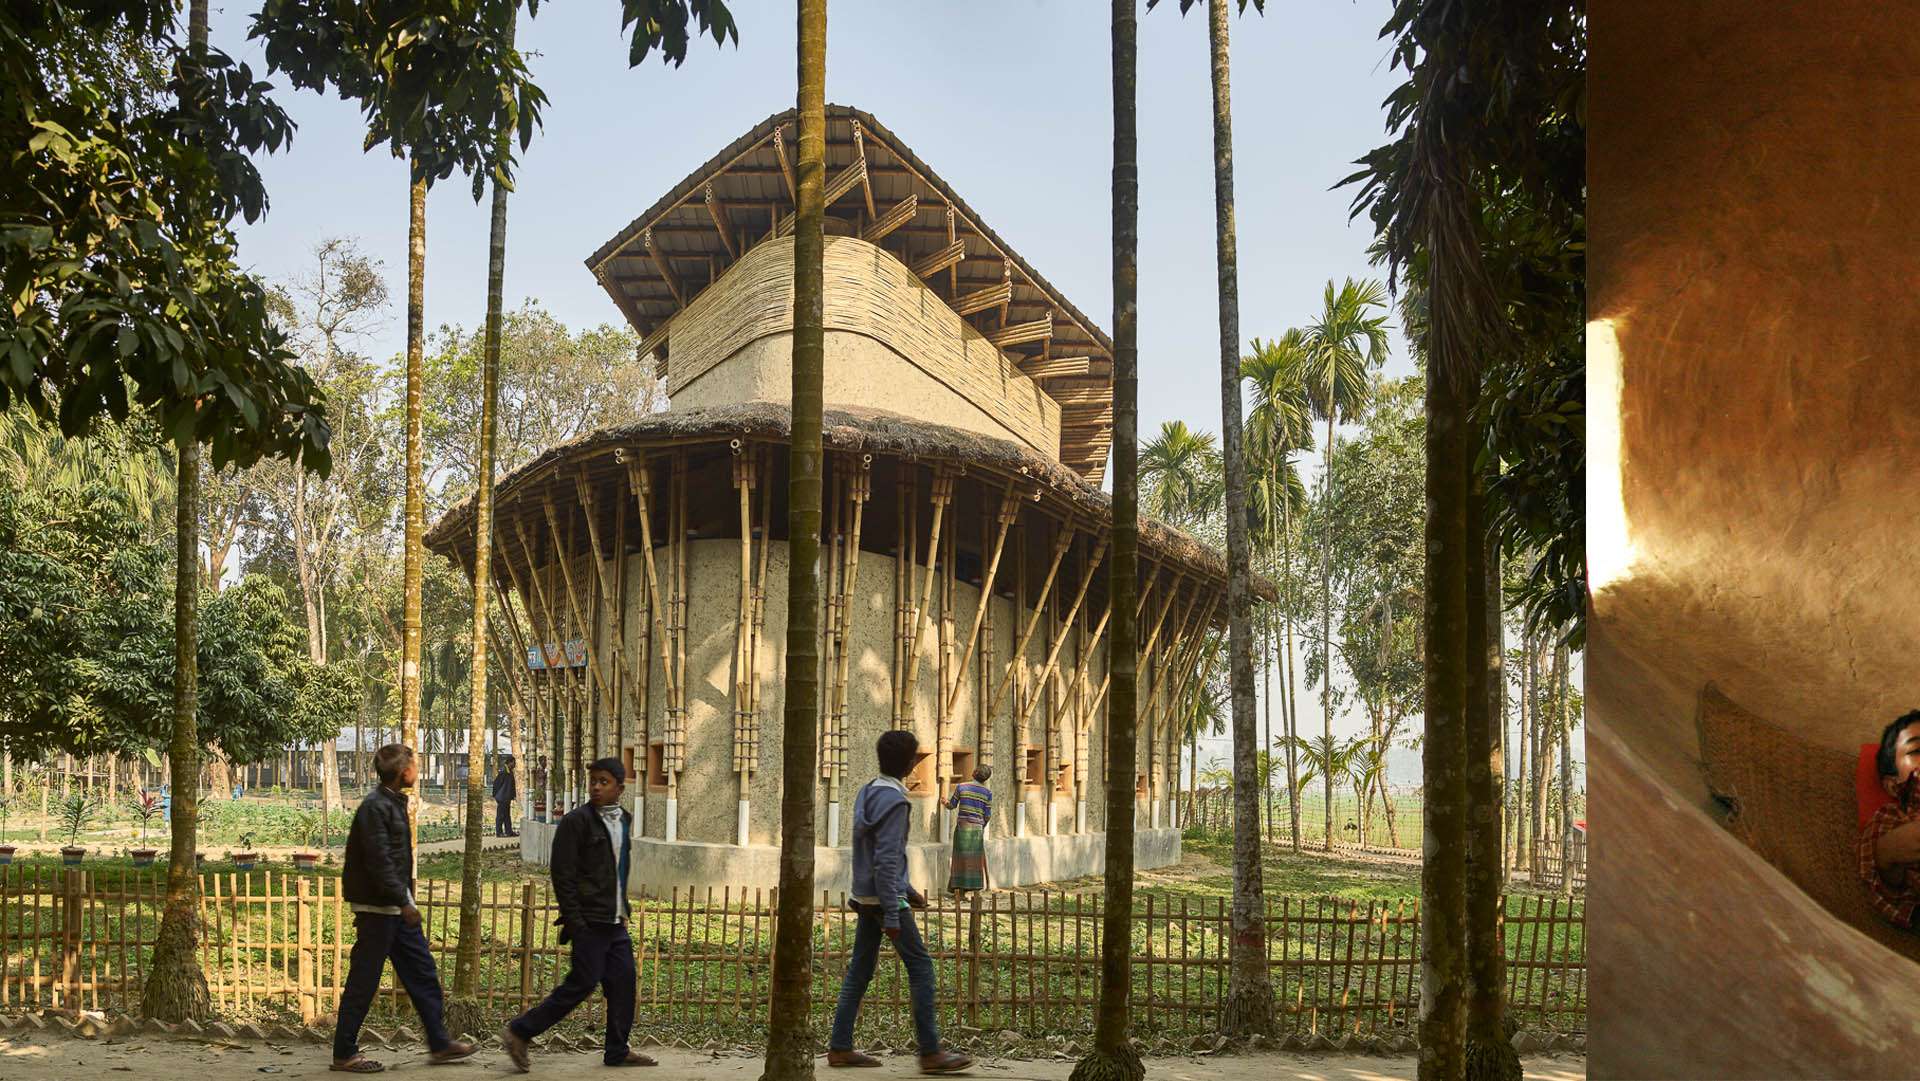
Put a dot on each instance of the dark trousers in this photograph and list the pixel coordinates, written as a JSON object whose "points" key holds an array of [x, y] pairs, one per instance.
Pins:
{"points": [[603, 956], [377, 939], [502, 824], [867, 935]]}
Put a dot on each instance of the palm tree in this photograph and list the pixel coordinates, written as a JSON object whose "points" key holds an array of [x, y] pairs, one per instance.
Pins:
{"points": [[1342, 346], [1204, 707], [176, 987], [467, 961], [1180, 475], [789, 1039], [1113, 1057], [1280, 424]]}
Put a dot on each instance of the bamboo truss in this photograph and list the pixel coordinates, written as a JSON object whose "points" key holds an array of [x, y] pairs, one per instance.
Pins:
{"points": [[640, 483], [856, 487]]}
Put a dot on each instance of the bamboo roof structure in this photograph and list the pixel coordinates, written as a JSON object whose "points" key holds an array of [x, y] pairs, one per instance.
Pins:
{"points": [[879, 190], [844, 429]]}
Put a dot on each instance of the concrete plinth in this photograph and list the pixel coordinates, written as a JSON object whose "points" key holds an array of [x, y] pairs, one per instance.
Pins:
{"points": [[660, 866]]}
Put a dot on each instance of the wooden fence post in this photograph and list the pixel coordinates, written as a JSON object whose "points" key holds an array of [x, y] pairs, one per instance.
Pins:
{"points": [[526, 944], [973, 961], [303, 958], [70, 945]]}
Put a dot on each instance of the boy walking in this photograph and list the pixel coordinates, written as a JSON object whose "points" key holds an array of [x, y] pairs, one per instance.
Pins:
{"points": [[377, 880], [882, 896], [589, 868]]}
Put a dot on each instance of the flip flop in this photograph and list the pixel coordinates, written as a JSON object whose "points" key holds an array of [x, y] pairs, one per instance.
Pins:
{"points": [[357, 1064]]}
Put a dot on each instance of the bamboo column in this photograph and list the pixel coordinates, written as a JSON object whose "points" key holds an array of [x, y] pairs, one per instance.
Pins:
{"points": [[746, 641], [921, 600], [859, 487], [640, 482]]}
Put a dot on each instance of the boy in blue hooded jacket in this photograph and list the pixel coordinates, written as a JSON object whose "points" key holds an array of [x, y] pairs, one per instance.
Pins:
{"points": [[884, 900]]}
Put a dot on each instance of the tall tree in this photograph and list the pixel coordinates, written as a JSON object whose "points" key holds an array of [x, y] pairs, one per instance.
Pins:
{"points": [[789, 1037], [1279, 425], [1342, 345], [436, 84], [1248, 1007], [1113, 1057], [1180, 475], [467, 959]]}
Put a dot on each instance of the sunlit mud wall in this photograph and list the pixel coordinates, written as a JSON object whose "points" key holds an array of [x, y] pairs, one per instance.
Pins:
{"points": [[1754, 506]]}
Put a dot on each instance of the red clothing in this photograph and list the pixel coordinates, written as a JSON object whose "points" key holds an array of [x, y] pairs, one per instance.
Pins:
{"points": [[1896, 899]]}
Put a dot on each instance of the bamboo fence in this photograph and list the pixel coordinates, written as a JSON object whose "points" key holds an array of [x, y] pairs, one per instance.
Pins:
{"points": [[274, 950]]}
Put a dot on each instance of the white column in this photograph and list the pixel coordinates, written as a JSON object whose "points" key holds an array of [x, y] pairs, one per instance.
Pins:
{"points": [[673, 819], [1053, 817], [833, 824], [1080, 817], [742, 835]]}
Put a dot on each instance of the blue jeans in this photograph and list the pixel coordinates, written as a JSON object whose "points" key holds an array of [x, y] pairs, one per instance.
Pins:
{"points": [[376, 939], [867, 935], [603, 958]]}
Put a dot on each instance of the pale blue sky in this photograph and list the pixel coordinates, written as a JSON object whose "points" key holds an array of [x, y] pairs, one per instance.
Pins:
{"points": [[1009, 100]]}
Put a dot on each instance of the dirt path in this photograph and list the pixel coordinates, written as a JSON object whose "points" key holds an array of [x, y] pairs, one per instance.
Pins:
{"points": [[45, 1057]]}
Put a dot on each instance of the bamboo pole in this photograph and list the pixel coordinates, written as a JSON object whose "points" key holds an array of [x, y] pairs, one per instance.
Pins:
{"points": [[640, 481], [1009, 510]]}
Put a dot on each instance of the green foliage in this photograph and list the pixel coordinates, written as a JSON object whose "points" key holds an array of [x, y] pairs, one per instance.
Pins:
{"points": [[77, 812], [121, 286], [438, 81], [663, 25], [1181, 478], [145, 807], [80, 607], [1486, 178]]}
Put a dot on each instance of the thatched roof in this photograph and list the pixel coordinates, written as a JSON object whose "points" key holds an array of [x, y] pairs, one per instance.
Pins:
{"points": [[847, 429], [665, 257]]}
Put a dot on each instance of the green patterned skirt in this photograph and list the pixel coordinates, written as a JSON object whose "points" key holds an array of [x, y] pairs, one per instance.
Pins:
{"points": [[969, 859]]}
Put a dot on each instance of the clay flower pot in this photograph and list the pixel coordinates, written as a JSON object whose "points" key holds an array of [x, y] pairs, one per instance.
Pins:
{"points": [[306, 861], [143, 857], [244, 861], [71, 855], [6, 854]]}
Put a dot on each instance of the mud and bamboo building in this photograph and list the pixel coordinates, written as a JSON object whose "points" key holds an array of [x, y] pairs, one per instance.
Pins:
{"points": [[642, 568]]}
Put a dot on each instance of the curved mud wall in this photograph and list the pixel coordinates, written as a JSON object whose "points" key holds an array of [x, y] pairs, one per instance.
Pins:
{"points": [[1754, 504]]}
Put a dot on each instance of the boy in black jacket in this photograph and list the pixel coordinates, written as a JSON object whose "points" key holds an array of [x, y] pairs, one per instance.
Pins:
{"points": [[589, 868], [377, 880]]}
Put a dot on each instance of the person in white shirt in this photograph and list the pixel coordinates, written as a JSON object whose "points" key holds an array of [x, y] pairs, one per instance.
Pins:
{"points": [[589, 869]]}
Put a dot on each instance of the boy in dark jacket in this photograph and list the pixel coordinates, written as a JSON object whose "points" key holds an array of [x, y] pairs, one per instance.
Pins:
{"points": [[377, 880], [589, 868], [882, 896]]}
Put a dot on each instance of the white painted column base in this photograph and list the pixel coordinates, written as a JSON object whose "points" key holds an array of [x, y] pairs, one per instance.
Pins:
{"points": [[833, 825], [1080, 817], [741, 835], [673, 819], [1053, 817], [1153, 819], [1020, 819]]}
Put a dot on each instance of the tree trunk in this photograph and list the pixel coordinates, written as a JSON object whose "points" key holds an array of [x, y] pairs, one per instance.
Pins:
{"points": [[1566, 772], [1266, 719], [1443, 968], [1113, 1057], [176, 988], [467, 958], [1248, 1007], [415, 529], [1522, 820], [1326, 625], [789, 1031], [1291, 715], [1489, 1054]]}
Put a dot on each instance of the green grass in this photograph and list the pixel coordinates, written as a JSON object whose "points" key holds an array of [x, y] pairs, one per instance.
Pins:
{"points": [[705, 970]]}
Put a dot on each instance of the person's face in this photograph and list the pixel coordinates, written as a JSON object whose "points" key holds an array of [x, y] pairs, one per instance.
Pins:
{"points": [[602, 789], [1906, 759]]}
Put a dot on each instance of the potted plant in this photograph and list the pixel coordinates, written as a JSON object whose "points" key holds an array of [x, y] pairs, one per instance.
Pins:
{"points": [[306, 827], [76, 813], [6, 850], [244, 859], [146, 807]]}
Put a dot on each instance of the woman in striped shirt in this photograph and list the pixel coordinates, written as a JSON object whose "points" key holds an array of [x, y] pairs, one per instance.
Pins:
{"points": [[974, 802]]}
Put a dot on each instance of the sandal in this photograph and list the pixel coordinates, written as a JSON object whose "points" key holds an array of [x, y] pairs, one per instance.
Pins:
{"points": [[357, 1064]]}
